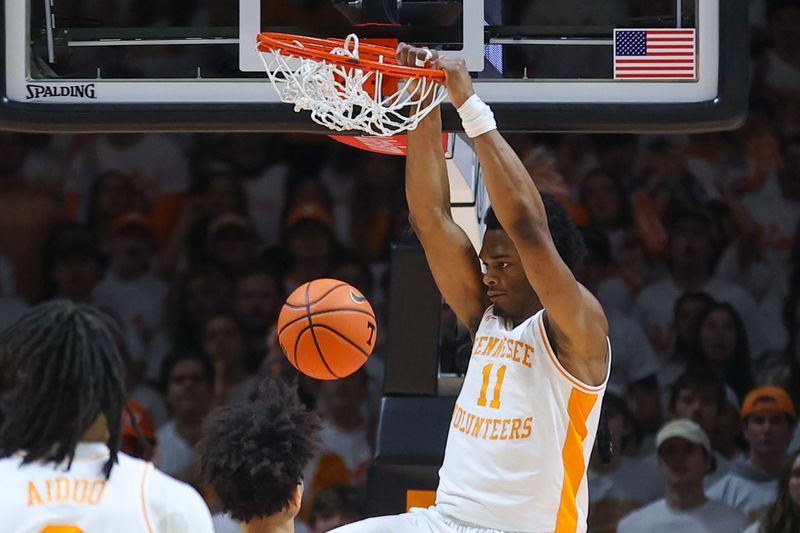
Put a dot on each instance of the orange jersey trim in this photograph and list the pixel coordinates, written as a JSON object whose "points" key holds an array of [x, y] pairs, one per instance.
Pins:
{"points": [[564, 372], [579, 406], [95, 457], [145, 473]]}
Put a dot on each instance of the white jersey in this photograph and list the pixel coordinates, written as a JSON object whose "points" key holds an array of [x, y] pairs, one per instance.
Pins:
{"points": [[137, 498], [521, 435]]}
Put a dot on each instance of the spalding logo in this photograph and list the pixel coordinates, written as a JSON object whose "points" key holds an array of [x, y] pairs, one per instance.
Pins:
{"points": [[357, 298], [64, 91]]}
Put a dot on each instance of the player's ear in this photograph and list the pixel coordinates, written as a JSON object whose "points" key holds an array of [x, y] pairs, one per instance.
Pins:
{"points": [[296, 500]]}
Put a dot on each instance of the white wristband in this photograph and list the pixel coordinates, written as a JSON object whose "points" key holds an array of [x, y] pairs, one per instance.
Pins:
{"points": [[476, 117]]}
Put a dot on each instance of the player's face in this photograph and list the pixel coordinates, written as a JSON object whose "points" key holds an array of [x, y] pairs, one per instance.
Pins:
{"points": [[507, 286], [683, 461]]}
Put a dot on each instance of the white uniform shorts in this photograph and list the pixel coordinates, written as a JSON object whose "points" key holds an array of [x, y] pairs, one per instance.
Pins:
{"points": [[418, 520]]}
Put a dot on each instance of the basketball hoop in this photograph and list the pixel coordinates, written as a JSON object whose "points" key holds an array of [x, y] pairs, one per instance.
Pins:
{"points": [[349, 85]]}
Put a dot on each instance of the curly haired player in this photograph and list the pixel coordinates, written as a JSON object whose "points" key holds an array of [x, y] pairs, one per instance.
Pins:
{"points": [[62, 394], [253, 456]]}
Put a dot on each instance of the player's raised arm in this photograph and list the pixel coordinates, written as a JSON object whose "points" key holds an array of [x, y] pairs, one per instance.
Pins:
{"points": [[450, 254], [574, 317]]}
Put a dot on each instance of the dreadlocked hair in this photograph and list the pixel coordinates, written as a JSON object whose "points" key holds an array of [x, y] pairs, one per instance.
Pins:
{"points": [[253, 454], [61, 367]]}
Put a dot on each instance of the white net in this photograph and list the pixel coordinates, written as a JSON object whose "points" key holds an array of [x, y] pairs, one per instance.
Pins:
{"points": [[344, 98]]}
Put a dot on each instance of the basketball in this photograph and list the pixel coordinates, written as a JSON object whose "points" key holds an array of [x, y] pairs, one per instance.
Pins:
{"points": [[327, 329]]}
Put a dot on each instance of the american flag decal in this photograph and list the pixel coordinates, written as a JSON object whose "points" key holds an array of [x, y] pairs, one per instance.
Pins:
{"points": [[666, 54]]}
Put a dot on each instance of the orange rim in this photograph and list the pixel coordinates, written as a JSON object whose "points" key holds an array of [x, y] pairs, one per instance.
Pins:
{"points": [[319, 49]]}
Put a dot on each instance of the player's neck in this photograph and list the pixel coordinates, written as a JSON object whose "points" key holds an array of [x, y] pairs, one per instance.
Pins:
{"points": [[271, 524], [98, 431], [522, 317]]}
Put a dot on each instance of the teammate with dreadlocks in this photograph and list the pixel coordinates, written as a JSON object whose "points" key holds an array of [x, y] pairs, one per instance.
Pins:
{"points": [[61, 400], [253, 456]]}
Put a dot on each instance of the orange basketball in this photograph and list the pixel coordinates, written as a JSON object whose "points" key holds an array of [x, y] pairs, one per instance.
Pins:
{"points": [[327, 329]]}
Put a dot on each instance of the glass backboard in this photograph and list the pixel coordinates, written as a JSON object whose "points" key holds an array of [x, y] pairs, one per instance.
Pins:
{"points": [[544, 65]]}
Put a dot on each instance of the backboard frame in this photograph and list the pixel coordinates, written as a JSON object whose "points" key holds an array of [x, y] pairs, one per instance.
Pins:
{"points": [[249, 25], [718, 104]]}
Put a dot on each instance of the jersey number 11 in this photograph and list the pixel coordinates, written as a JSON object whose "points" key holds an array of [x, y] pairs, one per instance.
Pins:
{"points": [[487, 374]]}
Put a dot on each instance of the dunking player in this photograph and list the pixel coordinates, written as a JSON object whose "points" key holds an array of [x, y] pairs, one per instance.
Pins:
{"points": [[525, 420], [61, 400]]}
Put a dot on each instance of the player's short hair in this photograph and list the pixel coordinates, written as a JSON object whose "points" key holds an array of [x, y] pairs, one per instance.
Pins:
{"points": [[253, 454], [565, 234], [344, 500], [61, 367]]}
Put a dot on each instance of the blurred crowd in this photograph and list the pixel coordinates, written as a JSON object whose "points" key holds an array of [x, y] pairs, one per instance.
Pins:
{"points": [[193, 241]]}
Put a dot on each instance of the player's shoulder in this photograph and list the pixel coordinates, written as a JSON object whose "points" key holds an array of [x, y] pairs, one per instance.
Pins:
{"points": [[159, 489], [174, 502], [160, 484], [10, 467], [11, 462]]}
